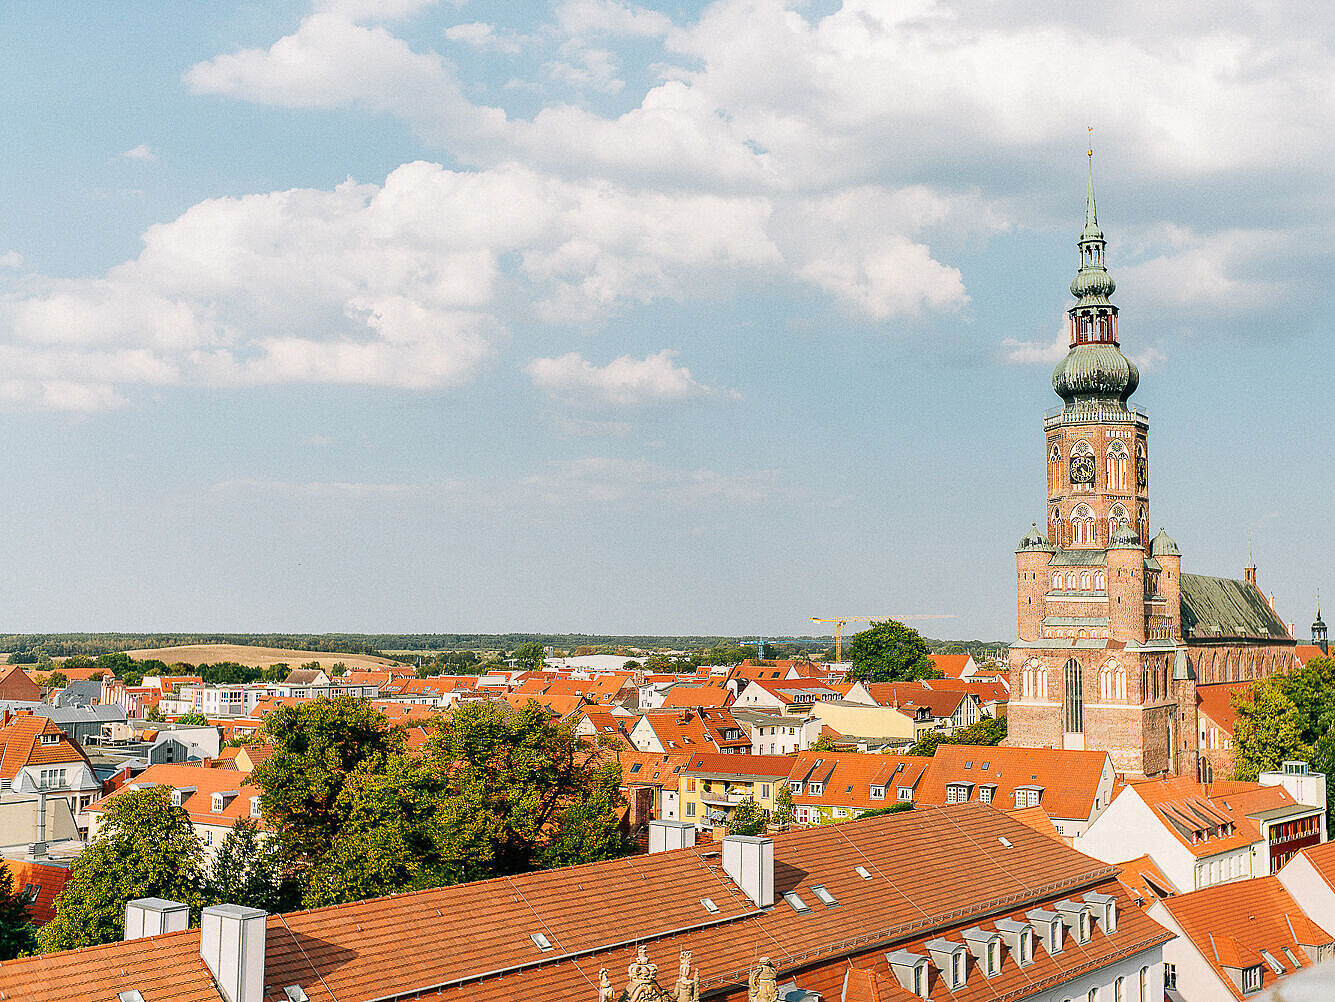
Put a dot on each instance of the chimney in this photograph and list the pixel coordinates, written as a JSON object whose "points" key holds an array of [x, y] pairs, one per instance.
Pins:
{"points": [[232, 944], [150, 916], [749, 861], [667, 835]]}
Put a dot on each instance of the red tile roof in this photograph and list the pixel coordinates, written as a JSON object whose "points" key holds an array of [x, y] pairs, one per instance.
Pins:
{"points": [[697, 695], [650, 768], [1070, 779], [846, 778], [718, 764], [1214, 702], [950, 665], [1143, 878], [42, 882], [909, 695], [691, 729], [199, 803], [21, 745], [1230, 924], [930, 872], [1306, 652], [1218, 810]]}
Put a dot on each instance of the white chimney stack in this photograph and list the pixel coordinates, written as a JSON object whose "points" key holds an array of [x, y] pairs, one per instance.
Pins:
{"points": [[151, 916], [232, 944], [749, 861], [667, 835]]}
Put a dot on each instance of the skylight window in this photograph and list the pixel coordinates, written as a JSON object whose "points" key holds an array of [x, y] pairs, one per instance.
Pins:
{"points": [[824, 896], [1006, 843], [540, 941], [795, 902], [968, 764], [709, 905], [132, 995], [295, 993], [862, 872], [1275, 965]]}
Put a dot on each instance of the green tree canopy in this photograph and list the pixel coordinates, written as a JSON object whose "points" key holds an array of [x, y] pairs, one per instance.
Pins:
{"points": [[889, 652], [784, 815], [530, 656], [1268, 730], [18, 935], [983, 731], [317, 744], [824, 743], [747, 818], [57, 680], [194, 719], [249, 870], [144, 848]]}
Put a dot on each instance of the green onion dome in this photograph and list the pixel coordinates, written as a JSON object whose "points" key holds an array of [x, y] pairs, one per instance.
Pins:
{"points": [[1033, 540], [1162, 545], [1095, 372], [1124, 538]]}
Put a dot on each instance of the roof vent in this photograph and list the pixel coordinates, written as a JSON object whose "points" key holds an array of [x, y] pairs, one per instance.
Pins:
{"points": [[540, 941], [1005, 841], [130, 995], [295, 993]]}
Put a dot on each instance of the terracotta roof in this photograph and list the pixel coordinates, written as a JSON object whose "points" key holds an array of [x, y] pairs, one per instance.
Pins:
{"points": [[605, 722], [1230, 924], [950, 665], [42, 882], [1306, 652], [908, 695], [1069, 779], [21, 745], [687, 730], [719, 764], [16, 683], [1211, 819], [199, 803], [846, 778], [986, 691], [1037, 819], [558, 706], [1143, 878], [1214, 702], [697, 695], [932, 871], [650, 768], [1322, 858]]}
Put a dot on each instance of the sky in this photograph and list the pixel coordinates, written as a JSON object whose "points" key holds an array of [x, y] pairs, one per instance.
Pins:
{"points": [[472, 316]]}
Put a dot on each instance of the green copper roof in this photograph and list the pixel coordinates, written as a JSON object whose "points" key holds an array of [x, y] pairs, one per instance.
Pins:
{"points": [[1124, 538], [1162, 545], [1075, 620], [1226, 609], [1033, 540], [1095, 372], [1079, 558]]}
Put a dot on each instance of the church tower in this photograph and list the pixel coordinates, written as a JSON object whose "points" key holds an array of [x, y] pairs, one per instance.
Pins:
{"points": [[1098, 601], [1319, 629]]}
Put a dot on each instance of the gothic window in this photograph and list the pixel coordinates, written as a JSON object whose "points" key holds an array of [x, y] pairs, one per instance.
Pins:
{"points": [[1117, 464], [1144, 683], [1082, 524], [1070, 580], [1057, 581], [1142, 469], [1084, 581], [1042, 677], [1116, 517], [1082, 465], [1119, 683], [1073, 706], [1100, 582]]}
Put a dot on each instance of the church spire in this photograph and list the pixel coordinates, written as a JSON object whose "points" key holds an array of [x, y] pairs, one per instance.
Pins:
{"points": [[1091, 231]]}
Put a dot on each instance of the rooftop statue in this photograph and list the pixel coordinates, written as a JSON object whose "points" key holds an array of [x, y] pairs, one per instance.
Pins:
{"points": [[763, 984]]}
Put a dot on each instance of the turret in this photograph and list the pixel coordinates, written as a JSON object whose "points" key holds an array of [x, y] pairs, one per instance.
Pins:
{"points": [[1033, 554], [1319, 629], [1169, 558], [1126, 586]]}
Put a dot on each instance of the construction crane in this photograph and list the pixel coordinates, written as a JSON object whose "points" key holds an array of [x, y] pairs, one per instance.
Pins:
{"points": [[841, 620], [758, 644]]}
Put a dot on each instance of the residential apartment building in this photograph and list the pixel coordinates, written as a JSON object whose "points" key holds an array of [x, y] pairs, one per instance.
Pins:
{"points": [[1200, 835], [775, 733], [829, 787], [1072, 787], [712, 785], [36, 757], [699, 729], [215, 799]]}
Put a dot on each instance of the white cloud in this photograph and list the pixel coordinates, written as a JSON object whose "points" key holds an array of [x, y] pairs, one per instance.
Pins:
{"points": [[1214, 273], [142, 153], [601, 480], [625, 381], [1018, 352], [11, 259], [608, 17], [373, 10]]}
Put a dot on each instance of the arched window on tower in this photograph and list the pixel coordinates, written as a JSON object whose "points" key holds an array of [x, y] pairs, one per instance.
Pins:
{"points": [[1084, 580], [1117, 517], [1117, 466], [1119, 682], [1027, 688], [1142, 469], [1057, 581], [1073, 698], [1100, 582], [1106, 684], [1145, 683], [1082, 524]]}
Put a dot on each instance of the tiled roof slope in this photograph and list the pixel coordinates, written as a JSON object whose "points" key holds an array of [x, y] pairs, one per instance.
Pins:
{"points": [[1070, 779], [42, 882], [21, 745], [1215, 702], [697, 695], [1230, 924], [1220, 810], [1143, 878], [595, 913], [846, 778], [720, 764], [206, 782], [1223, 608]]}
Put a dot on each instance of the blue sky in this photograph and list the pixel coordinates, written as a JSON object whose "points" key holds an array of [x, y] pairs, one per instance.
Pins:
{"points": [[689, 318]]}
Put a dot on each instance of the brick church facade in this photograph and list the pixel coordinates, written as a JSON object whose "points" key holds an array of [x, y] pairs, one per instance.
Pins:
{"points": [[1115, 642]]}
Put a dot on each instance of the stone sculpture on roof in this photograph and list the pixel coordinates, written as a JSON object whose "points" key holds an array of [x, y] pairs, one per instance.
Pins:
{"points": [[763, 984], [642, 981]]}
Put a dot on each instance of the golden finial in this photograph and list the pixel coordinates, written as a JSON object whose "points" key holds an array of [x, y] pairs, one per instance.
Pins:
{"points": [[1090, 151]]}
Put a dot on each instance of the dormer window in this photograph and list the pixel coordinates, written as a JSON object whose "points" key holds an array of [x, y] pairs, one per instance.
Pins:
{"points": [[795, 787], [1251, 979], [814, 789], [49, 739], [920, 980], [878, 793], [1083, 927], [985, 794], [254, 807], [957, 970], [1026, 952], [993, 957], [221, 800], [958, 793]]}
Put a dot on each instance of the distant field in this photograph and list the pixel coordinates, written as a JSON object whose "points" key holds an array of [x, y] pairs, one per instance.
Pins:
{"points": [[261, 657]]}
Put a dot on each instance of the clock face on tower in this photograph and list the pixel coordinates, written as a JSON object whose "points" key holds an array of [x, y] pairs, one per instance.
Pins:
{"points": [[1082, 469]]}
